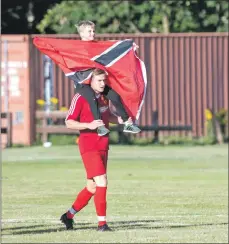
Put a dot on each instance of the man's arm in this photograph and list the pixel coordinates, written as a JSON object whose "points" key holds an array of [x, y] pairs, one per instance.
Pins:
{"points": [[76, 125], [72, 119]]}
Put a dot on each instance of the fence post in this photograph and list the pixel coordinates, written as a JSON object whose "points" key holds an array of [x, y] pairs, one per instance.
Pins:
{"points": [[122, 138], [155, 123], [216, 128], [9, 129], [44, 133]]}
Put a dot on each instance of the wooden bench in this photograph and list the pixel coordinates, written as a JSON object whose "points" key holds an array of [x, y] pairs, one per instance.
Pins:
{"points": [[154, 128], [45, 129]]}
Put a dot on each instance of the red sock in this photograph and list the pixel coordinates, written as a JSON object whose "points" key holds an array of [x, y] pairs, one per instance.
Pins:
{"points": [[101, 204], [81, 201]]}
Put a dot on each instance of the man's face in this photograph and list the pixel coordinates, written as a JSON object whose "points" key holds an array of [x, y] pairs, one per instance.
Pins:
{"points": [[87, 33], [98, 83]]}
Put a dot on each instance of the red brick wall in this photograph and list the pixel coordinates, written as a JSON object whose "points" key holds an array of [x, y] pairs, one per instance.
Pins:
{"points": [[19, 88]]}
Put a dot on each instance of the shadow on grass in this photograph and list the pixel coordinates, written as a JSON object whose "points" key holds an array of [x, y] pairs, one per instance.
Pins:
{"points": [[30, 229], [116, 226], [22, 227], [127, 227]]}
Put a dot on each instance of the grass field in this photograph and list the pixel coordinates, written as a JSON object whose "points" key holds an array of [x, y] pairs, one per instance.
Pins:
{"points": [[156, 195]]}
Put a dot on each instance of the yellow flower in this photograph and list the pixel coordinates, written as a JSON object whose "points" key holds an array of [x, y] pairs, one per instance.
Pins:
{"points": [[54, 100], [40, 102], [208, 114], [63, 109]]}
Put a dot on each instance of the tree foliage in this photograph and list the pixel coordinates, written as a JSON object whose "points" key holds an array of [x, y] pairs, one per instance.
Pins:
{"points": [[22, 16], [138, 16], [59, 16]]}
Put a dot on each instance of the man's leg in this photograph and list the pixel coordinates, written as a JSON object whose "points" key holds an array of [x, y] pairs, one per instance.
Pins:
{"points": [[95, 163], [100, 201], [100, 197], [114, 97], [82, 198], [81, 201], [87, 92]]}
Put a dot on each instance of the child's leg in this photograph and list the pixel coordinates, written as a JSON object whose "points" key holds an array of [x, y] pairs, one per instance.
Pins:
{"points": [[87, 92], [116, 101]]}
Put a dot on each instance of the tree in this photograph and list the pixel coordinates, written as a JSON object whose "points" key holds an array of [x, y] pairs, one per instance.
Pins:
{"points": [[109, 16], [211, 15], [22, 16], [138, 16]]}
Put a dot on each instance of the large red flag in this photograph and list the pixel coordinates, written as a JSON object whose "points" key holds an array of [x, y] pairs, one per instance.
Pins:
{"points": [[77, 59]]}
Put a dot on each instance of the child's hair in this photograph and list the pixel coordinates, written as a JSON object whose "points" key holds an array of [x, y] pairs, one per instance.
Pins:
{"points": [[83, 24], [98, 72]]}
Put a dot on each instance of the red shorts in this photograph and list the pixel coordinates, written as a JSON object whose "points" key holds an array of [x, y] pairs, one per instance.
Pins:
{"points": [[95, 163]]}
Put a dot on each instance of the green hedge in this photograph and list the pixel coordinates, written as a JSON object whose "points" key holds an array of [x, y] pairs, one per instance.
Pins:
{"points": [[133, 140]]}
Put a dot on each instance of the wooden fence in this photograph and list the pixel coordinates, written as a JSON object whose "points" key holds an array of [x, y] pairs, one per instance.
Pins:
{"points": [[6, 129], [187, 73], [45, 129]]}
